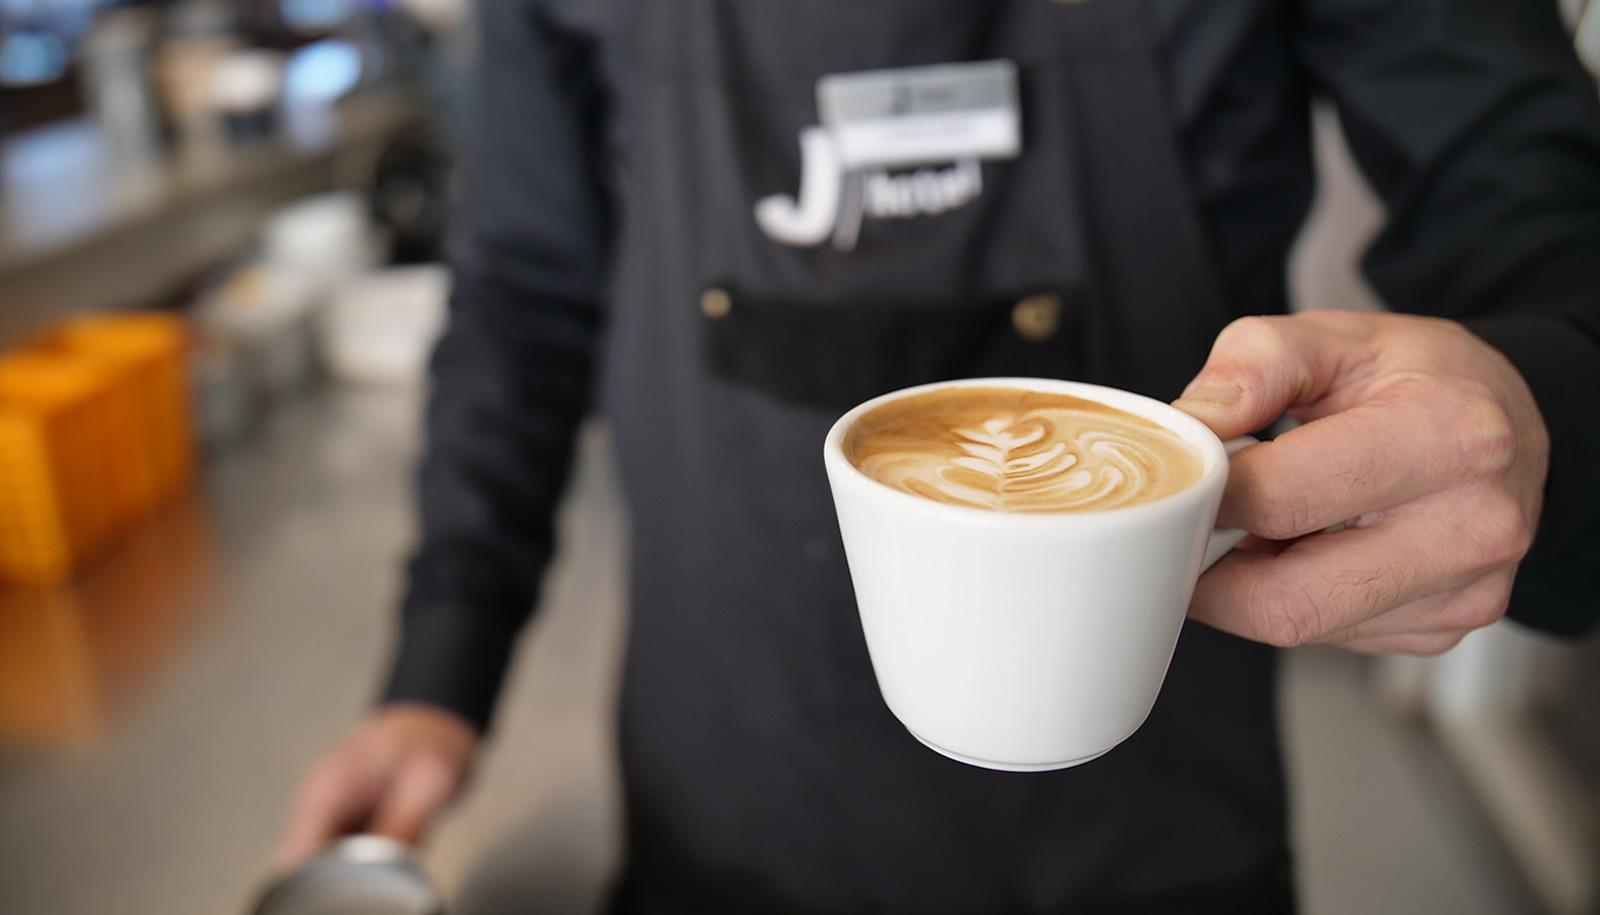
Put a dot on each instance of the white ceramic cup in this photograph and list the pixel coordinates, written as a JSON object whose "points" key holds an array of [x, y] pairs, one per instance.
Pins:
{"points": [[1026, 642]]}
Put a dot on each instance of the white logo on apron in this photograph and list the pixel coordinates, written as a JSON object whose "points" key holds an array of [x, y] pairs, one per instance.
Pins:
{"points": [[920, 118], [832, 202]]}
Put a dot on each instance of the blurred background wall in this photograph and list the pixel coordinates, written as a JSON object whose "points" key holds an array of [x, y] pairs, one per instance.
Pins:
{"points": [[225, 217]]}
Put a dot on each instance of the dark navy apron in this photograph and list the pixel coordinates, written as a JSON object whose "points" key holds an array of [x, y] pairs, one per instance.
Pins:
{"points": [[762, 771]]}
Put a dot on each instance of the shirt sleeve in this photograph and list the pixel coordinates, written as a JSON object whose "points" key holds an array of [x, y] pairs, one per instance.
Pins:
{"points": [[1479, 128], [511, 376]]}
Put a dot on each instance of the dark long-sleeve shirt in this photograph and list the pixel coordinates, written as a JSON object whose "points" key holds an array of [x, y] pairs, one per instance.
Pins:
{"points": [[1473, 120], [618, 150]]}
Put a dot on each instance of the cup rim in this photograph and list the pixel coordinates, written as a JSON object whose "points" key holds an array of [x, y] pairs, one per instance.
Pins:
{"points": [[1213, 454]]}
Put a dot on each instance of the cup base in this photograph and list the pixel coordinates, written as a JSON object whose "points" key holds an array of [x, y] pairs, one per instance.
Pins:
{"points": [[1006, 766]]}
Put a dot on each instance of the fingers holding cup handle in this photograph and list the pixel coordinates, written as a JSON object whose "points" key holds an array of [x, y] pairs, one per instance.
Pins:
{"points": [[1224, 539]]}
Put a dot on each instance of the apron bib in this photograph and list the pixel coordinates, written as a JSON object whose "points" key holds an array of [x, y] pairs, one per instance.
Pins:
{"points": [[759, 760]]}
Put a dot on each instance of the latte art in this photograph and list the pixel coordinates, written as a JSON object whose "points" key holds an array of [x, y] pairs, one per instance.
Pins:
{"points": [[1014, 450]]}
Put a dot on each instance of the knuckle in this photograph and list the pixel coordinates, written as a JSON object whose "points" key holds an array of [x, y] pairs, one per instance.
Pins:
{"points": [[1477, 610], [1281, 613], [1253, 346], [1259, 334], [1366, 592], [1483, 437], [1504, 532], [1256, 351], [1282, 513]]}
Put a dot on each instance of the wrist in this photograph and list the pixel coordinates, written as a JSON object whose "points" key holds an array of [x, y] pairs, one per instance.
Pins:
{"points": [[450, 660]]}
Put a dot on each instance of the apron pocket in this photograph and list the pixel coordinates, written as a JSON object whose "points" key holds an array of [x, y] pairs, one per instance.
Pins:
{"points": [[836, 356]]}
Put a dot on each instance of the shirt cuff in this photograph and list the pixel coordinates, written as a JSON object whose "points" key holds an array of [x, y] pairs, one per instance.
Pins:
{"points": [[1558, 585], [452, 659]]}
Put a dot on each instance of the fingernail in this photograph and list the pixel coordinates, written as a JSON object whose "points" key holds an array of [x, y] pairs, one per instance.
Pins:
{"points": [[1207, 390]]}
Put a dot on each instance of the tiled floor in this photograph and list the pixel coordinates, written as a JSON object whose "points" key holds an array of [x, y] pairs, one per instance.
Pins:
{"points": [[175, 810]]}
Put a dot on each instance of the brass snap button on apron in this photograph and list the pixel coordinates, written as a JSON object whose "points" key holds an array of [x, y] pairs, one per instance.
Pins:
{"points": [[1037, 317], [715, 303]]}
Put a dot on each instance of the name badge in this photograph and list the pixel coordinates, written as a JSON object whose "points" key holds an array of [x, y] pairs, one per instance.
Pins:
{"points": [[919, 115]]}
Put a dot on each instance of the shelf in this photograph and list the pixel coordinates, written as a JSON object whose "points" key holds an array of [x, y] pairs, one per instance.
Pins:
{"points": [[78, 232]]}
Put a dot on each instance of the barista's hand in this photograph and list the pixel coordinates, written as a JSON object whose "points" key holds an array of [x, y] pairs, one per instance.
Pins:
{"points": [[1420, 437], [392, 776]]}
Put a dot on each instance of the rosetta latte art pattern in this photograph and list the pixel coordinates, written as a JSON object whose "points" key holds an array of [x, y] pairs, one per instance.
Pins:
{"points": [[1018, 451]]}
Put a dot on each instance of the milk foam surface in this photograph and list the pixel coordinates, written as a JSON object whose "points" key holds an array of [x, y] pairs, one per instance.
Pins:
{"points": [[1015, 450]]}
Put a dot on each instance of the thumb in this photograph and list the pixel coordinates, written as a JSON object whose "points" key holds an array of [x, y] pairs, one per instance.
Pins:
{"points": [[1260, 367]]}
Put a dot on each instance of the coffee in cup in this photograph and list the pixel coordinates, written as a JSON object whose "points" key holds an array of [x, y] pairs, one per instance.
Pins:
{"points": [[1019, 450]]}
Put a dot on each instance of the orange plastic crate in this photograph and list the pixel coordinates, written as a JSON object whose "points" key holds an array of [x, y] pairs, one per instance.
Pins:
{"points": [[147, 355], [95, 432], [58, 508], [128, 484]]}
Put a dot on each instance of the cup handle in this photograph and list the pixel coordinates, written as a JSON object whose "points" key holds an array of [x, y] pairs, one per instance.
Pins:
{"points": [[1224, 539]]}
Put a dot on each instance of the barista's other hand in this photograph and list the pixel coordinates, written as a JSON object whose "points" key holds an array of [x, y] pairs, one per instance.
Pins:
{"points": [[1420, 438], [393, 775]]}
